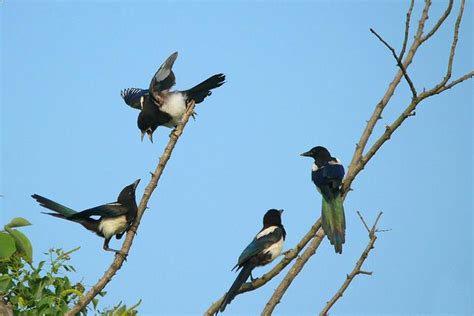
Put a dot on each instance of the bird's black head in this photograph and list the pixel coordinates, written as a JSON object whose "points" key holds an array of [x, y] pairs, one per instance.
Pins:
{"points": [[320, 155], [272, 218], [147, 125], [128, 193]]}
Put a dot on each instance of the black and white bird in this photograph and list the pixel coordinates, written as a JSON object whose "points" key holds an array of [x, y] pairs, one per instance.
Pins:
{"points": [[327, 173], [264, 248], [114, 218], [159, 106]]}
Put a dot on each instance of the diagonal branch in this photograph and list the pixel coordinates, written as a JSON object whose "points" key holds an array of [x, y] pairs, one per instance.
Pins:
{"points": [[399, 63], [440, 21], [127, 244], [291, 275], [357, 269], [356, 164]]}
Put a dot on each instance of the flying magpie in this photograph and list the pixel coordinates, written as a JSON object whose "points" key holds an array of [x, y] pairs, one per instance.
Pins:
{"points": [[265, 247], [327, 174], [114, 218], [159, 105]]}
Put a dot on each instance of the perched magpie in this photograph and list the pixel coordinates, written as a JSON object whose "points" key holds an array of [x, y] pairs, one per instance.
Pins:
{"points": [[327, 174], [159, 105], [265, 247], [114, 218]]}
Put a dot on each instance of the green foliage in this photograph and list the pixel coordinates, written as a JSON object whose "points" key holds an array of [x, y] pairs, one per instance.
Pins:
{"points": [[43, 289], [121, 310], [13, 241]]}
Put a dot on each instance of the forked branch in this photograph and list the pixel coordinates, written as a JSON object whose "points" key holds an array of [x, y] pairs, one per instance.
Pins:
{"points": [[358, 267]]}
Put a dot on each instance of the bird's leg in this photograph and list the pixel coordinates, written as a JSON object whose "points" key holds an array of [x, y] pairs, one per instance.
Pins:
{"points": [[117, 252], [251, 277], [193, 115]]}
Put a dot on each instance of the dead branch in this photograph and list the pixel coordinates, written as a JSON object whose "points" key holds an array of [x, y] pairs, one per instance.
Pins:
{"points": [[357, 269], [127, 244]]}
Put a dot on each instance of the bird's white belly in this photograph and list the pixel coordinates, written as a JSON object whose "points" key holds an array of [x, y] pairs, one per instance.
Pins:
{"points": [[275, 249], [175, 106], [112, 226]]}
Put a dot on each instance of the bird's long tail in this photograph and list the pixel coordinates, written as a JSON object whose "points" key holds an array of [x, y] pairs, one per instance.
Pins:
{"points": [[334, 221], [241, 278], [199, 92], [65, 212]]}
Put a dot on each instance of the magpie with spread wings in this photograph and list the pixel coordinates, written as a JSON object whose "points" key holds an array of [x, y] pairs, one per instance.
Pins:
{"points": [[159, 106]]}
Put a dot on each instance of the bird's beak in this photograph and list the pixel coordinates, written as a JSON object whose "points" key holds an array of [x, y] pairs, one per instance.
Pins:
{"points": [[135, 184], [150, 137], [281, 211], [306, 154], [143, 134]]}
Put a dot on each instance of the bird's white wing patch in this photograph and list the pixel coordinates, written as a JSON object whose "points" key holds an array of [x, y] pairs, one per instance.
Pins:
{"points": [[275, 249], [266, 231], [337, 162]]}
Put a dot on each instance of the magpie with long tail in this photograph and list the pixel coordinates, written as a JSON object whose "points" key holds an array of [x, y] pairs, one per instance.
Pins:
{"points": [[115, 219], [327, 174], [159, 106], [264, 248]]}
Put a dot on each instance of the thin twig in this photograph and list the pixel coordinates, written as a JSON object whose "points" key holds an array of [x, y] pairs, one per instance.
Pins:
{"points": [[399, 63], [357, 269], [440, 21], [449, 69], [292, 273], [363, 222], [127, 244], [407, 30]]}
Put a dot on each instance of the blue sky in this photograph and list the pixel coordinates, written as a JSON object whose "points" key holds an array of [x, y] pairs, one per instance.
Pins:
{"points": [[298, 75]]}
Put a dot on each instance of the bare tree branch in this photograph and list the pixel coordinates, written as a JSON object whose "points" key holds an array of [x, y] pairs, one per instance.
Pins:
{"points": [[291, 275], [127, 244], [359, 159], [440, 21], [356, 165], [446, 78], [357, 269], [399, 63], [407, 30]]}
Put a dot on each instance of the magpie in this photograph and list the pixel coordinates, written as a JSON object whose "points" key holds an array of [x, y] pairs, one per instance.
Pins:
{"points": [[114, 218], [264, 248], [158, 105], [327, 174]]}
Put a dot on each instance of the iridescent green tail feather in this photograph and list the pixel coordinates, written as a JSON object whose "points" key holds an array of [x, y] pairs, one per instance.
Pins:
{"points": [[334, 221]]}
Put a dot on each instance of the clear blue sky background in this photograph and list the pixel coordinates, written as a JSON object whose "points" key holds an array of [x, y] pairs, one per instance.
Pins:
{"points": [[298, 75]]}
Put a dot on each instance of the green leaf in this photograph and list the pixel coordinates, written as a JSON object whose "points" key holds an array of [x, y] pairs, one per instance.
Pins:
{"points": [[7, 246], [5, 283], [18, 222], [22, 243]]}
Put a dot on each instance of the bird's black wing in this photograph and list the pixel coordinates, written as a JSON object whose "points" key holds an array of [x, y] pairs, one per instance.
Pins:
{"points": [[107, 210], [260, 244], [132, 97], [164, 78]]}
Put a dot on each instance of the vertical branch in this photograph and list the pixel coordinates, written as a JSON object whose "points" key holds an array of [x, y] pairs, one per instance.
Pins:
{"points": [[407, 30], [127, 244]]}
